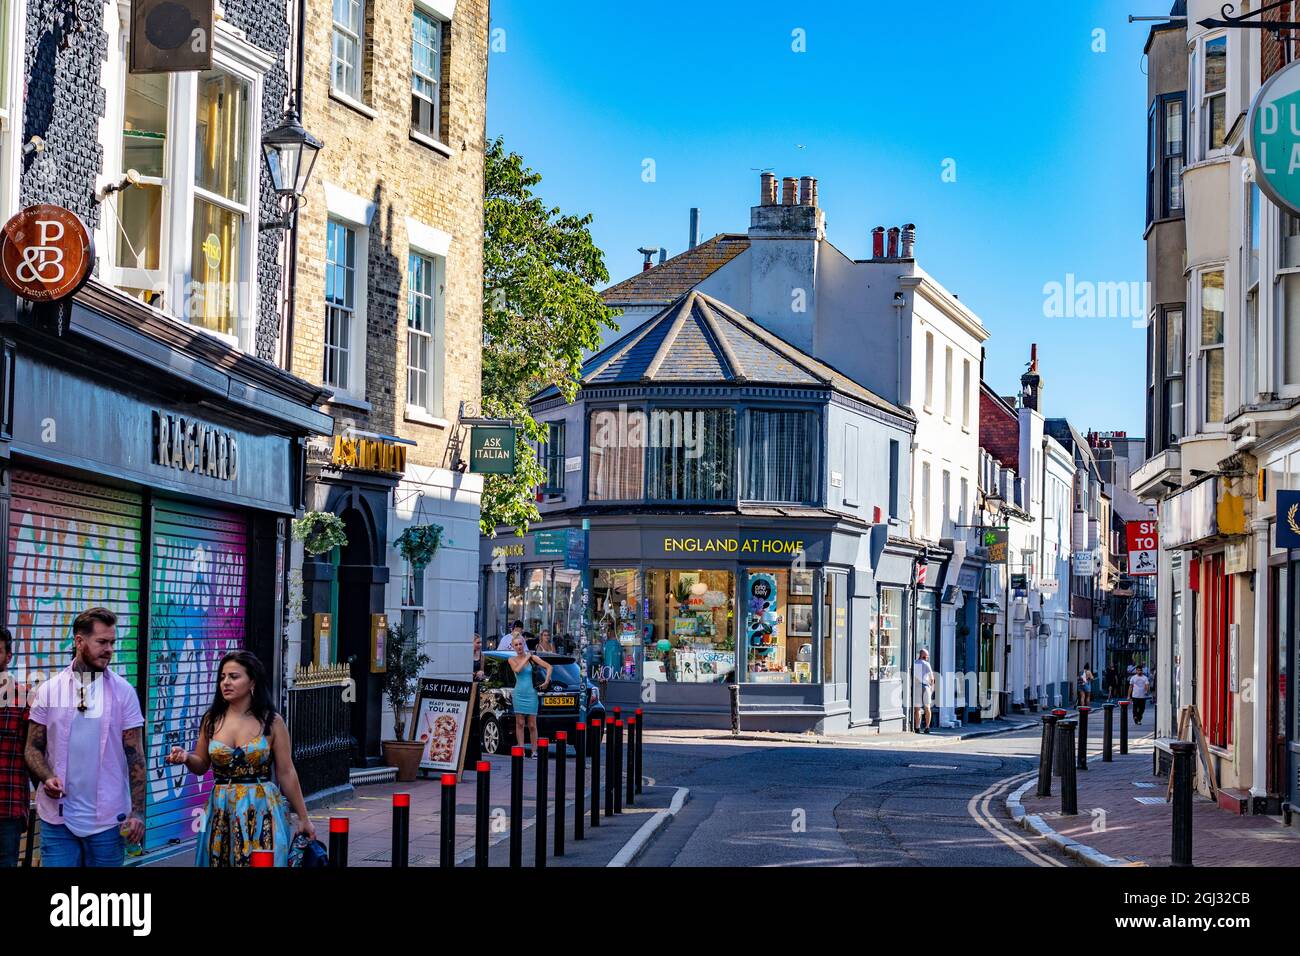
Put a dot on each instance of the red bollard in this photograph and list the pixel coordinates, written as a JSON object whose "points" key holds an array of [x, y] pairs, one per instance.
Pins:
{"points": [[401, 830], [447, 819], [263, 858], [338, 841]]}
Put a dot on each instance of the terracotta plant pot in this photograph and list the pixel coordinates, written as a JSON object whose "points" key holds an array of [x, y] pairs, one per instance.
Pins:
{"points": [[405, 756]]}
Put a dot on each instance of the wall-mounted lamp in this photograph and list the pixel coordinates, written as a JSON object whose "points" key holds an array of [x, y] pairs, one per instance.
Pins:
{"points": [[290, 152]]}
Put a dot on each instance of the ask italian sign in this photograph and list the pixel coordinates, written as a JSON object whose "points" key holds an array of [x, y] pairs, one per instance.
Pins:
{"points": [[492, 450], [1274, 138]]}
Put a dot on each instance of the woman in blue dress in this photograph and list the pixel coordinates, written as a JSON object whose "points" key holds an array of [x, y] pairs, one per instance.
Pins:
{"points": [[242, 739], [523, 698]]}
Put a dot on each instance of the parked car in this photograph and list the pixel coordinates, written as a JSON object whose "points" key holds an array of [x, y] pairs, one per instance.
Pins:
{"points": [[568, 701]]}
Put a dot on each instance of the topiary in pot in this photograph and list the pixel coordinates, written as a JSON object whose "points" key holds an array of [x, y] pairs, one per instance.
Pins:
{"points": [[404, 661]]}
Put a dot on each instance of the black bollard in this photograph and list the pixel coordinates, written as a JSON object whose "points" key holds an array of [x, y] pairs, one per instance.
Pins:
{"points": [[579, 780], [1069, 780], [1123, 726], [734, 691], [542, 810], [1184, 756], [1046, 750], [401, 830], [1082, 755], [640, 729], [447, 822], [1108, 733], [616, 775], [482, 811], [610, 767], [516, 807], [595, 772], [338, 841], [631, 761], [561, 787]]}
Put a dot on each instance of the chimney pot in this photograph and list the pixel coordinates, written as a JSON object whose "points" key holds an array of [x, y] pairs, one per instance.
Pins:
{"points": [[789, 191], [807, 191], [695, 228], [893, 242], [909, 240], [878, 242], [767, 190]]}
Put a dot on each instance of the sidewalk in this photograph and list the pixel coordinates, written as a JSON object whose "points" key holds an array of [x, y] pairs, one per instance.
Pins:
{"points": [[1124, 820], [370, 819], [868, 737]]}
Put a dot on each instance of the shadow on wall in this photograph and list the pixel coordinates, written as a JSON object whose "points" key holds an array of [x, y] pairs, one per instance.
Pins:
{"points": [[386, 281]]}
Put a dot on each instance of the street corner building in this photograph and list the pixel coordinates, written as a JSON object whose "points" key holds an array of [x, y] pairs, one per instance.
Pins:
{"points": [[231, 350], [775, 499]]}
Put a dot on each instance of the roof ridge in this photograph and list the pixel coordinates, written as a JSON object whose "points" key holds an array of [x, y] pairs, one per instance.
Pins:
{"points": [[772, 340], [738, 373], [633, 339], [684, 306]]}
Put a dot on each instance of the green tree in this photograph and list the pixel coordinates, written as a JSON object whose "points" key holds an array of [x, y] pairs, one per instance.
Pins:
{"points": [[541, 315]]}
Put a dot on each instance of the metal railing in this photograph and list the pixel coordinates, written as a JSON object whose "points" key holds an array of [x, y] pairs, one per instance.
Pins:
{"points": [[320, 725]]}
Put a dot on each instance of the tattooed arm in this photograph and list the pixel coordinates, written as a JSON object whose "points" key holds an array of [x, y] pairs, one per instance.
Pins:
{"points": [[37, 764], [133, 746]]}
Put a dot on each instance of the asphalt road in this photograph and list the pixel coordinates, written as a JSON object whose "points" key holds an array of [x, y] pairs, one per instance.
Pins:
{"points": [[900, 800]]}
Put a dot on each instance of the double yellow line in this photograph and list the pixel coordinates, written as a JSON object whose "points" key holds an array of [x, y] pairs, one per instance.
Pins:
{"points": [[982, 811]]}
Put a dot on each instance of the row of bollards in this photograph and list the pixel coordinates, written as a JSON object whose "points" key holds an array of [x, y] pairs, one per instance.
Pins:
{"points": [[588, 741]]}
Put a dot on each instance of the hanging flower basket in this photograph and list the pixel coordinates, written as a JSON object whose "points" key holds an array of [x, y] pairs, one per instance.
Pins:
{"points": [[419, 543], [319, 532]]}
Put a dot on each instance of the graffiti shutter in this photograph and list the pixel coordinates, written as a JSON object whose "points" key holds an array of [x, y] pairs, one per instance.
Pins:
{"points": [[199, 589], [72, 545]]}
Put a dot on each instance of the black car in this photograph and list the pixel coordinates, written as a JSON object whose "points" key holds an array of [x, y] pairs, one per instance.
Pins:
{"points": [[560, 707]]}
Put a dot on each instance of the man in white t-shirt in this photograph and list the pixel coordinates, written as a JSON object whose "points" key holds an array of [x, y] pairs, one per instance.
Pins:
{"points": [[922, 691], [1139, 687]]}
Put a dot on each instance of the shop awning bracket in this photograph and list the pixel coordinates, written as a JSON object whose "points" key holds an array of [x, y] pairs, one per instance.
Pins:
{"points": [[1244, 21]]}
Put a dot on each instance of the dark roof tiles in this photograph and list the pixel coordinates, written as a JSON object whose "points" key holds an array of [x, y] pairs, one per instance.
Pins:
{"points": [[683, 272]]}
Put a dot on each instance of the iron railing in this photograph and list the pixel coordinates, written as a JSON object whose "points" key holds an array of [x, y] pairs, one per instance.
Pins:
{"points": [[320, 722]]}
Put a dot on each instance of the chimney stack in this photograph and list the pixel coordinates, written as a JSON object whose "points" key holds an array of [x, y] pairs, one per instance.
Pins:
{"points": [[909, 240], [695, 228], [807, 191], [893, 243], [648, 252], [878, 242], [663, 255], [1031, 383], [767, 191], [789, 191]]}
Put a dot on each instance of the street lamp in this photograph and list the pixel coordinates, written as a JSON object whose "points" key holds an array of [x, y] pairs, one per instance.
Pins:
{"points": [[290, 152]]}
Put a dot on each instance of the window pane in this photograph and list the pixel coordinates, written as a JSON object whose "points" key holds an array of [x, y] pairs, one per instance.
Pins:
{"points": [[1216, 64], [1212, 308], [779, 626], [144, 123], [1253, 270], [1175, 405], [888, 636], [1174, 128], [1214, 385], [217, 255], [1291, 328], [690, 635], [782, 457], [1290, 241], [1174, 342], [340, 299], [221, 135], [421, 318], [139, 238], [692, 455], [426, 48], [616, 455], [616, 613]]}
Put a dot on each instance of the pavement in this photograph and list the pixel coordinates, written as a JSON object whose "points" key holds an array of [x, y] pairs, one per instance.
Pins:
{"points": [[987, 728], [370, 820], [1124, 819]]}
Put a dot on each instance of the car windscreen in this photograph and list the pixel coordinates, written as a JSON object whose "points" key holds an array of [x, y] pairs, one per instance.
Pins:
{"points": [[564, 671]]}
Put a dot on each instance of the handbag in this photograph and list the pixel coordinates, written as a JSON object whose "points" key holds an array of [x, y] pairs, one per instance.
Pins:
{"points": [[308, 854], [539, 678]]}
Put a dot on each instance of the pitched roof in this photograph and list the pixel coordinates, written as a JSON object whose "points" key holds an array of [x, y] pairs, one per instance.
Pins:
{"points": [[665, 282], [701, 340]]}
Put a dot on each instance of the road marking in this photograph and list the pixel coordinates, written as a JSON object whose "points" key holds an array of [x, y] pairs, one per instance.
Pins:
{"points": [[979, 809], [931, 766]]}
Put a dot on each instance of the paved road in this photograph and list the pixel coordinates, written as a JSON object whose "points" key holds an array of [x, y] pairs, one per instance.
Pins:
{"points": [[900, 800]]}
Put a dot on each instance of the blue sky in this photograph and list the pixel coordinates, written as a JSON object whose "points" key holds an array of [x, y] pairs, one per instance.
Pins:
{"points": [[1046, 134]]}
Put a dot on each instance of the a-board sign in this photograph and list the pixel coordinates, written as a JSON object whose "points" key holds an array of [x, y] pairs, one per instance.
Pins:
{"points": [[442, 721]]}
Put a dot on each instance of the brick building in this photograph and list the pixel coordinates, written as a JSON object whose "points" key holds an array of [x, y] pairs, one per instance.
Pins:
{"points": [[388, 318]]}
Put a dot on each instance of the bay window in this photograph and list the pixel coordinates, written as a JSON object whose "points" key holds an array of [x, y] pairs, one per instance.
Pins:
{"points": [[692, 455], [1214, 94], [1211, 346], [1166, 153], [616, 454], [782, 457], [426, 74], [1174, 404]]}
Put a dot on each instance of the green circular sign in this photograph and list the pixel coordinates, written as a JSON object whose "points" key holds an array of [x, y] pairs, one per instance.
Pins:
{"points": [[1273, 126]]}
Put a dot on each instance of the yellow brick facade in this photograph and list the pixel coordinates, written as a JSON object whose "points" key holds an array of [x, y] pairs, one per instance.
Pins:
{"points": [[370, 153]]}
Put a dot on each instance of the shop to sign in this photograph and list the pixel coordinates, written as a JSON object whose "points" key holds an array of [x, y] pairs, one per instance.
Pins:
{"points": [[367, 454], [733, 546], [193, 446]]}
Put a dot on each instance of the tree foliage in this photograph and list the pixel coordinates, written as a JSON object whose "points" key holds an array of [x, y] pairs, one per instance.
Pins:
{"points": [[541, 315]]}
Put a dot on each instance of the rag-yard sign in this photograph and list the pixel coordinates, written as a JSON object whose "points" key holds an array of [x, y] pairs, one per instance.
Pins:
{"points": [[45, 253], [1143, 539], [1273, 126]]}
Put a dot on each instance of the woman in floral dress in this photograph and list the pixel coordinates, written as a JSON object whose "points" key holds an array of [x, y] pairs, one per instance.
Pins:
{"points": [[242, 738]]}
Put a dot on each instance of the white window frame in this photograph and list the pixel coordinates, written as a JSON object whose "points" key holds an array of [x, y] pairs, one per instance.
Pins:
{"points": [[965, 394], [929, 370], [430, 243], [354, 34], [231, 54], [1201, 351], [947, 383], [420, 10], [11, 106], [1200, 98], [351, 210], [925, 500], [1281, 273]]}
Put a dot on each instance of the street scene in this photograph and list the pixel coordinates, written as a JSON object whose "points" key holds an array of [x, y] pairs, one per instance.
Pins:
{"points": [[460, 435]]}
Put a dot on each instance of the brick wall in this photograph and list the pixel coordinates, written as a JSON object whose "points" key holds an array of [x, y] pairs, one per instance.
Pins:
{"points": [[375, 157], [1274, 53], [999, 431]]}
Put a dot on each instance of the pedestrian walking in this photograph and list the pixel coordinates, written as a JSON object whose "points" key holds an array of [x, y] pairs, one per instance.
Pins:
{"points": [[523, 699], [474, 746], [243, 740], [1139, 688], [1110, 681], [1085, 686], [85, 750], [922, 691], [15, 787]]}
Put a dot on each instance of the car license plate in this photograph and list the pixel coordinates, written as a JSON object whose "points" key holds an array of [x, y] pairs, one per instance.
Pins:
{"points": [[559, 701]]}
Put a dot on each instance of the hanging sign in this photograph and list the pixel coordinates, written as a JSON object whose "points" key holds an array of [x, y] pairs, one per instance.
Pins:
{"points": [[1143, 538], [492, 449], [45, 253], [994, 541], [1288, 519], [171, 36], [1273, 137]]}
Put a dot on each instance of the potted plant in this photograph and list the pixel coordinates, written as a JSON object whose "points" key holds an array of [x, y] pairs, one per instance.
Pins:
{"points": [[419, 543], [405, 661], [319, 532]]}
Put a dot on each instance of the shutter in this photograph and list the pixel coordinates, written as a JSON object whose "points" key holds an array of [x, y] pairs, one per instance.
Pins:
{"points": [[72, 545], [199, 590]]}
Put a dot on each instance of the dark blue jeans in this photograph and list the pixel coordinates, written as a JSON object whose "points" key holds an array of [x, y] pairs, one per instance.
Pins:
{"points": [[10, 830], [61, 847]]}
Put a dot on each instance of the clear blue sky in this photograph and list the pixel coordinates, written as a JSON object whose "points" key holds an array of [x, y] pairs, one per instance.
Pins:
{"points": [[1047, 136]]}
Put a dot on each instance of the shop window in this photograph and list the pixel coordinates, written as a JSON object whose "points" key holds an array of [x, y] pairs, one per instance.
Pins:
{"points": [[835, 628], [782, 456], [616, 455], [887, 638], [616, 614], [534, 600], [566, 610], [690, 633], [779, 626], [692, 455], [927, 622]]}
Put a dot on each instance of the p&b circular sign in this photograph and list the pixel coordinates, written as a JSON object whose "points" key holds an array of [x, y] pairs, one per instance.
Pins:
{"points": [[46, 253]]}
